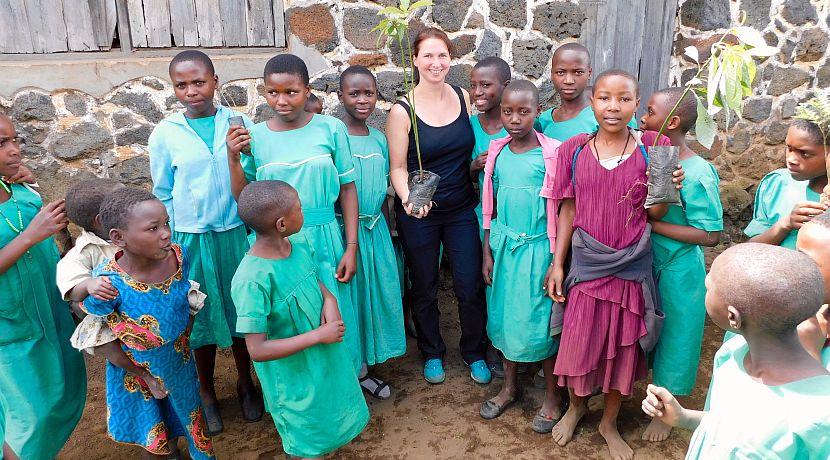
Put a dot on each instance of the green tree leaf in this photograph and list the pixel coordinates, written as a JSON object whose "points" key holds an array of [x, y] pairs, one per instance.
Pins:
{"points": [[705, 127]]}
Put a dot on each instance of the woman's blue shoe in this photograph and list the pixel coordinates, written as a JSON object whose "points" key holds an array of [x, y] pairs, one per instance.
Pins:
{"points": [[434, 371], [480, 373]]}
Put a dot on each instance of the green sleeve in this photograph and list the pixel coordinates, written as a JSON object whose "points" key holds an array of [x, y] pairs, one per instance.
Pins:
{"points": [[252, 303], [764, 215], [633, 123], [703, 206], [248, 163], [342, 153]]}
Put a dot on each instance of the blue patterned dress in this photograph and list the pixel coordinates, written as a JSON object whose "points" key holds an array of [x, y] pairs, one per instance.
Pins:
{"points": [[151, 322]]}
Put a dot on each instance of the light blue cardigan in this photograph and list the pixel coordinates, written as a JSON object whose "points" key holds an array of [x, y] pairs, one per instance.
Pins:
{"points": [[193, 183]]}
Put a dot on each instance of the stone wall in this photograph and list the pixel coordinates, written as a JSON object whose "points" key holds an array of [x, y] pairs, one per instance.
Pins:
{"points": [[71, 135]]}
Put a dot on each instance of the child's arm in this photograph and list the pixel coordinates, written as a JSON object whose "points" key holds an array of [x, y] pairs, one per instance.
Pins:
{"points": [[802, 213], [487, 266], [330, 311], [50, 220], [661, 404], [262, 349], [113, 352], [685, 233], [555, 277], [100, 287], [237, 138], [347, 266]]}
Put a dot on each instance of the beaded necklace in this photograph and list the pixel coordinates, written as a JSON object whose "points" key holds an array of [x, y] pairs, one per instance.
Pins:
{"points": [[19, 227]]}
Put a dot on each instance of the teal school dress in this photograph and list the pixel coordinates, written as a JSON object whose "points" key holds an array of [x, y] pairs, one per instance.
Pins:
{"points": [[313, 395], [189, 166], [747, 419], [42, 378], [377, 284], [680, 272], [775, 198], [482, 144], [584, 122], [315, 160], [518, 310]]}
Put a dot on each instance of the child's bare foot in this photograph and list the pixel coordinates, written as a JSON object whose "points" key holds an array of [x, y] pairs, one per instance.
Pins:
{"points": [[156, 387], [656, 431], [563, 431], [618, 447]]}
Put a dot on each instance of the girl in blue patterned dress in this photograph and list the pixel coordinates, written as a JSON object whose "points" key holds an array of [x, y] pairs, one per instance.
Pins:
{"points": [[152, 318]]}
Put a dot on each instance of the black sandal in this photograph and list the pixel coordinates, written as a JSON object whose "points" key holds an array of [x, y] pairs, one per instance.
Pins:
{"points": [[490, 410], [380, 385]]}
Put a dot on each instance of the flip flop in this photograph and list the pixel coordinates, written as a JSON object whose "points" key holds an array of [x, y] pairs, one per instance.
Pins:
{"points": [[490, 410], [251, 404], [542, 423], [213, 419], [380, 385]]}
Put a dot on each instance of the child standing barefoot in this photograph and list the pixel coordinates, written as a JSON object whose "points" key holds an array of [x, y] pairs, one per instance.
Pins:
{"points": [[678, 259], [609, 323], [152, 318], [517, 251], [189, 165], [293, 328], [42, 378], [376, 286], [768, 395]]}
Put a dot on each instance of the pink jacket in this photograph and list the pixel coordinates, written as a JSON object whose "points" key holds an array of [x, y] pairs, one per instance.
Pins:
{"points": [[550, 153]]}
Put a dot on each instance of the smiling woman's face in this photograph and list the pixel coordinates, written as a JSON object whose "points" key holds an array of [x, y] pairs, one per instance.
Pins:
{"points": [[432, 60]]}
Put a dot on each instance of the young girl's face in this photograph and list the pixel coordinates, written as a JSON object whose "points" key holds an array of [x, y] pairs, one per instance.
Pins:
{"points": [[194, 86], [657, 110], [286, 94], [433, 60], [805, 157], [519, 110], [486, 88], [569, 73], [614, 102], [359, 96], [294, 219], [147, 233], [9, 148]]}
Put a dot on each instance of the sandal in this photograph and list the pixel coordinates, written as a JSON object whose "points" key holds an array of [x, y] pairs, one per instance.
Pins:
{"points": [[490, 410], [543, 424], [251, 404], [380, 385]]}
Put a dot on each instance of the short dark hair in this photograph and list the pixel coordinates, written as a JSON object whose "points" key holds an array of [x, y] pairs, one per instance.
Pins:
{"points": [[813, 130], [520, 86], [575, 47], [356, 70], [501, 67], [617, 73], [83, 200], [261, 203], [118, 206], [686, 110], [774, 288], [192, 56], [287, 63]]}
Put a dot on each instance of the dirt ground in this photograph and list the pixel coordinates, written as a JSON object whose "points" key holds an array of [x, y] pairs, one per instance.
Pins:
{"points": [[420, 421]]}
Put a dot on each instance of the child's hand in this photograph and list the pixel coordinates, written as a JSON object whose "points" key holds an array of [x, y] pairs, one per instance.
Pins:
{"points": [[101, 288], [348, 265], [554, 279], [330, 313], [156, 386], [479, 162], [50, 220], [802, 213], [238, 138], [24, 175], [661, 404], [422, 213], [678, 177], [331, 332], [487, 266]]}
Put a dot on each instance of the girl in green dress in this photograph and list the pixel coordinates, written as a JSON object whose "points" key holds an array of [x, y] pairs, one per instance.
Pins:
{"points": [[376, 286], [189, 166], [311, 153], [42, 378], [517, 253], [293, 328]]}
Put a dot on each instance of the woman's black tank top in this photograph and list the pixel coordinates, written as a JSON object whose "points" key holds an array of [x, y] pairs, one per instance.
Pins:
{"points": [[446, 151]]}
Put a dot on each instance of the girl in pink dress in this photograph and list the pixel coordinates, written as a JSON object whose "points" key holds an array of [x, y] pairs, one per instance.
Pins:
{"points": [[610, 318]]}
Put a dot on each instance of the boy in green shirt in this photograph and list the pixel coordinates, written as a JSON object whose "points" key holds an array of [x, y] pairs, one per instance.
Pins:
{"points": [[768, 397]]}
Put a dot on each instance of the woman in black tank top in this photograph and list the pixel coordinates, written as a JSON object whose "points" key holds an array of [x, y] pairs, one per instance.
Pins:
{"points": [[446, 140]]}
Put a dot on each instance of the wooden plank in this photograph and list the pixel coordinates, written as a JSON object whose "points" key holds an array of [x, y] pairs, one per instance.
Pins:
{"points": [[157, 23], [183, 23], [15, 34], [104, 21], [138, 31], [654, 67], [260, 20], [602, 56], [79, 29], [208, 22], [628, 46], [234, 22], [279, 23], [47, 27], [125, 41]]}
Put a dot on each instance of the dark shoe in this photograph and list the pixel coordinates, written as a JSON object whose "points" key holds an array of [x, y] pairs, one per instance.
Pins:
{"points": [[496, 368], [490, 410], [543, 424], [252, 405], [213, 420]]}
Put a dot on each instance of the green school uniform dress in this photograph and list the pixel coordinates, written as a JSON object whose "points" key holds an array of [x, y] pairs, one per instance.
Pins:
{"points": [[518, 310], [42, 378], [376, 286], [584, 122], [313, 395], [775, 198], [747, 419], [482, 144], [316, 160], [680, 272]]}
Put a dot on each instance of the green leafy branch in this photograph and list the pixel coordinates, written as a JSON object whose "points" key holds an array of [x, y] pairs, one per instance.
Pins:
{"points": [[729, 72], [394, 26]]}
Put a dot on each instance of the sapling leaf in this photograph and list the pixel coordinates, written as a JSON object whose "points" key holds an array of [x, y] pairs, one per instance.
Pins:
{"points": [[704, 126], [694, 81], [405, 5], [692, 52], [749, 36], [763, 51], [420, 4]]}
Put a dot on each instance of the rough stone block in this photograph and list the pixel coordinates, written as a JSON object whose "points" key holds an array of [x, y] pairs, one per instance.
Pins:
{"points": [[314, 26], [449, 14], [357, 27], [508, 13], [823, 75], [476, 21], [812, 45], [75, 104], [263, 112], [153, 82], [490, 45], [757, 13], [559, 20], [32, 105], [463, 45], [368, 60], [775, 133], [459, 75], [133, 171], [326, 83], [757, 109], [390, 85], [530, 57], [138, 135], [705, 14], [734, 199], [785, 79], [235, 95], [799, 12], [415, 27], [787, 107], [740, 138], [140, 103], [83, 140]]}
